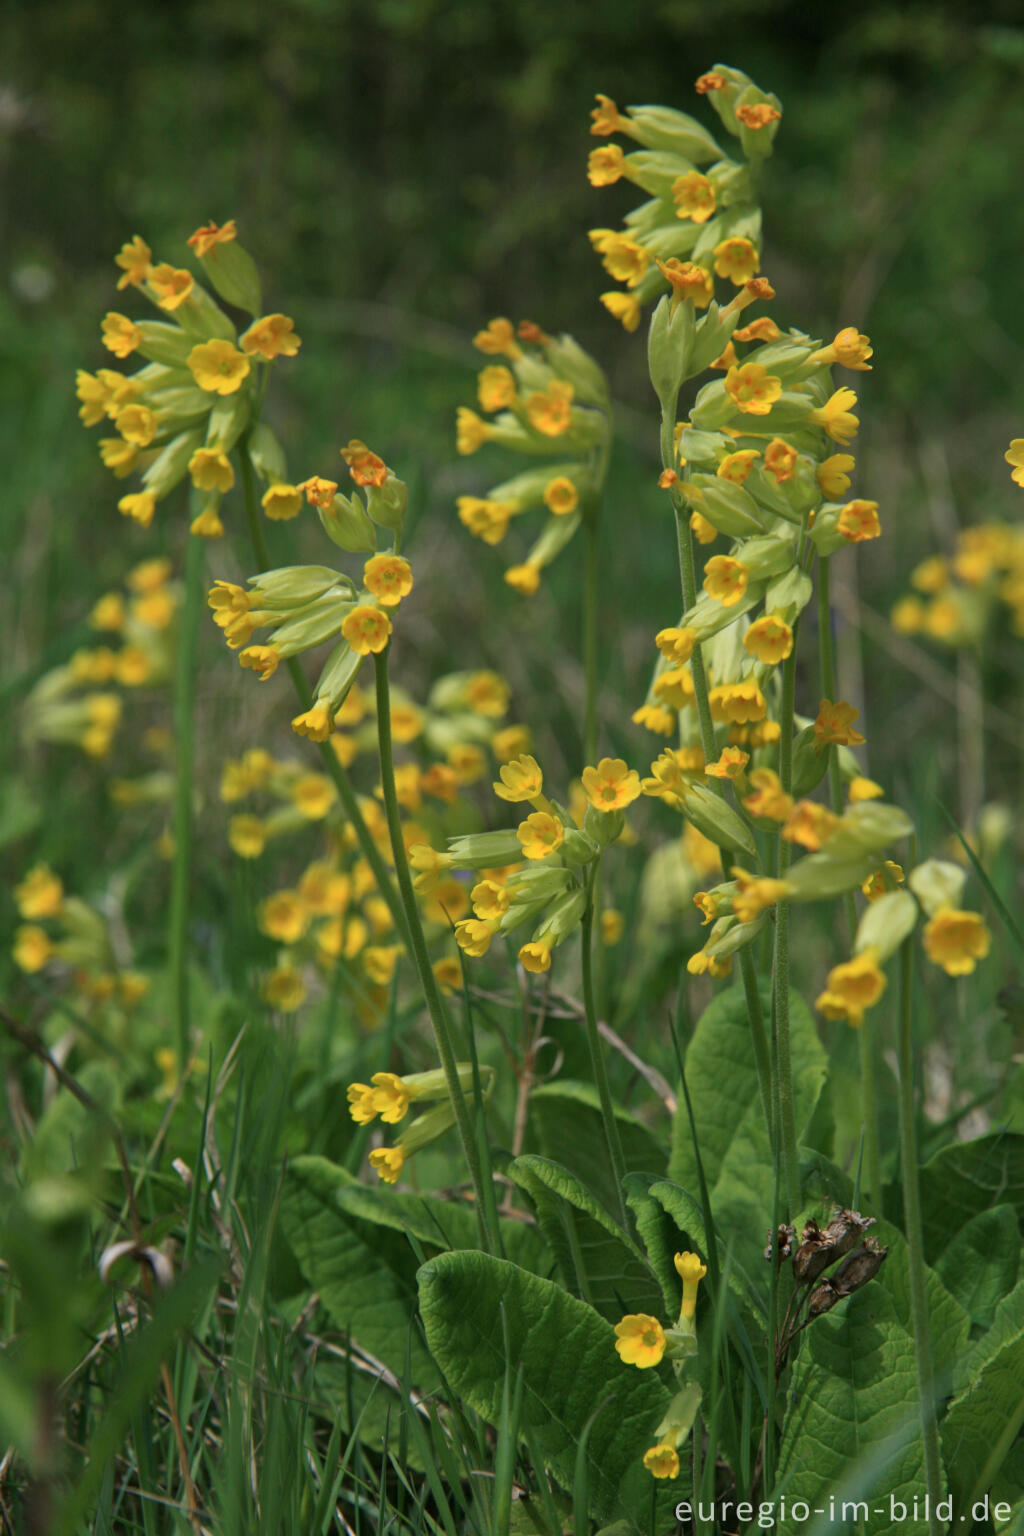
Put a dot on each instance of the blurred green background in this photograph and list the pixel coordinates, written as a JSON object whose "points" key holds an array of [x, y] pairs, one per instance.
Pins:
{"points": [[404, 170]]}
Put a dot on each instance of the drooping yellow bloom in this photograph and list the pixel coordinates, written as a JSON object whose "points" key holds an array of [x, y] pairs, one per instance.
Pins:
{"points": [[886, 878], [852, 988], [379, 961], [314, 723], [707, 906], [474, 936], [135, 260], [388, 577], [769, 638], [836, 416], [40, 894], [834, 725], [612, 785], [725, 579], [550, 411], [753, 895], [737, 260], [809, 824], [624, 308], [367, 630], [491, 900], [860, 789], [471, 431], [313, 794], [137, 424], [762, 329], [524, 579], [640, 1340], [387, 1163], [1014, 456], [365, 466], [768, 798], [203, 240], [487, 520], [737, 466], [662, 1460], [536, 957], [272, 336], [780, 460], [858, 521], [520, 780], [218, 367], [247, 836], [688, 280], [694, 197], [139, 506], [281, 502], [448, 974], [956, 940], [705, 532], [119, 456], [496, 388], [498, 338], [625, 259], [849, 348], [283, 916], [33, 948], [541, 834], [730, 764], [833, 475], [655, 718], [752, 388], [676, 645], [757, 115], [675, 688], [605, 117], [510, 742], [691, 1270], [171, 285], [561, 496], [361, 1104], [487, 694], [285, 989], [120, 335], [211, 470], [606, 165]]}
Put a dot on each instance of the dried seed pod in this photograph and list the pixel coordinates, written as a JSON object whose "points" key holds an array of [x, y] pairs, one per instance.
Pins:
{"points": [[786, 1237], [859, 1267]]}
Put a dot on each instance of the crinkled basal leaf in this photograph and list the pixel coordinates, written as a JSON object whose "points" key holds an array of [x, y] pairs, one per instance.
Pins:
{"points": [[478, 1312], [570, 1131], [948, 1323], [853, 1428], [659, 1234], [599, 1261], [987, 1413], [982, 1262], [966, 1178]]}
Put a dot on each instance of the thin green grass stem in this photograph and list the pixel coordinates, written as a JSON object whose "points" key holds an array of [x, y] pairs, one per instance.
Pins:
{"points": [[780, 970], [418, 944], [590, 519], [611, 1129], [184, 727]]}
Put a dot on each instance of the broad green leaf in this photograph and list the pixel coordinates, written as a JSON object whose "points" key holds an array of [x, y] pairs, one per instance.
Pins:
{"points": [[600, 1262], [981, 1264], [966, 1178], [853, 1430], [722, 1078], [569, 1129], [470, 1303], [948, 1323], [987, 1412], [658, 1233]]}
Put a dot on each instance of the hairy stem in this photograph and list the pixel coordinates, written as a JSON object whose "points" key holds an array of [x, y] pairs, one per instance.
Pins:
{"points": [[184, 728], [611, 1129]]}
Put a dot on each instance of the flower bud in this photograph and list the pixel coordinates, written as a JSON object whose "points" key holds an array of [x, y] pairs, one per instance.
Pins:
{"points": [[809, 764], [229, 418], [710, 339], [937, 883], [603, 827], [484, 850], [886, 922], [171, 463], [266, 454], [292, 586], [346, 524], [726, 506], [570, 362], [233, 274], [718, 821], [674, 131], [386, 503], [564, 916], [163, 343], [868, 828], [668, 350], [819, 877]]}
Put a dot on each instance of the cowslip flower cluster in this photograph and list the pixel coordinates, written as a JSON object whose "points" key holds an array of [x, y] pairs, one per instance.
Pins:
{"points": [[65, 936], [305, 606], [538, 874], [641, 1340], [201, 384], [955, 600], [697, 224], [391, 1096], [549, 400], [81, 702]]}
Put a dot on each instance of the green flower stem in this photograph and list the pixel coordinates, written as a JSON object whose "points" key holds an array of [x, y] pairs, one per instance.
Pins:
{"points": [[184, 728], [780, 969], [915, 1238], [868, 1067], [418, 945], [611, 1129], [590, 633], [340, 779]]}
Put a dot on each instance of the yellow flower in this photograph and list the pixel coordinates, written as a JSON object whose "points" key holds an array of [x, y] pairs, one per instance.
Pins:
{"points": [[218, 367], [860, 789], [624, 308], [120, 335], [284, 989], [139, 506], [908, 616], [137, 424], [32, 949], [40, 894], [361, 1104], [550, 411], [640, 1340], [495, 387], [833, 475], [752, 388], [780, 460], [535, 957], [676, 645], [768, 799], [757, 115], [737, 466], [849, 348], [467, 762], [694, 197], [769, 638], [388, 577], [521, 779], [612, 926], [956, 940], [487, 520], [498, 338], [273, 336], [725, 579], [753, 895], [247, 836], [313, 794], [762, 329], [524, 579], [655, 718], [561, 496], [208, 524], [471, 431], [314, 723], [283, 916], [211, 470], [171, 285], [263, 659], [1014, 455], [367, 630], [737, 260], [836, 416], [852, 988], [883, 879], [691, 1271], [203, 240], [319, 492], [490, 900], [448, 974], [625, 259], [810, 825], [834, 724], [541, 834], [688, 281], [611, 786], [606, 165], [474, 936], [705, 532], [730, 764], [510, 742], [487, 694], [108, 612], [859, 521], [365, 466], [136, 261], [379, 961], [662, 1460], [119, 456], [605, 118], [387, 1163], [441, 781], [282, 502]]}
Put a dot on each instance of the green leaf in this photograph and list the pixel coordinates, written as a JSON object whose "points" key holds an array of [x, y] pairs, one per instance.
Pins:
{"points": [[658, 1232], [722, 1078], [987, 1412], [981, 1264], [966, 1178], [853, 1430], [948, 1322], [471, 1303], [567, 1119], [600, 1262]]}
